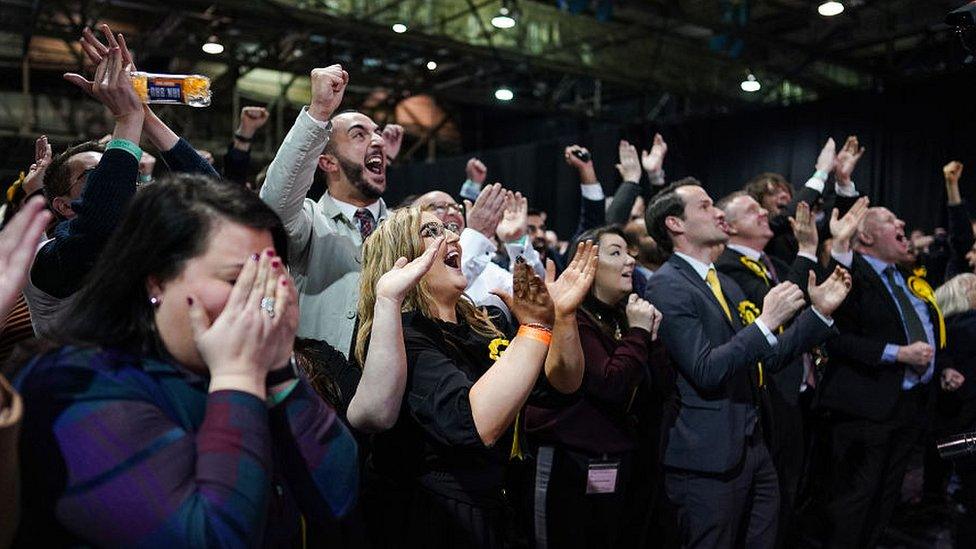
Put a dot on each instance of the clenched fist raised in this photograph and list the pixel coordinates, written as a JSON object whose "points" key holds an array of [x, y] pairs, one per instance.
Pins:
{"points": [[328, 86]]}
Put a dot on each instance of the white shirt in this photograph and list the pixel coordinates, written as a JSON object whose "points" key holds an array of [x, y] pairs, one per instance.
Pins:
{"points": [[349, 210]]}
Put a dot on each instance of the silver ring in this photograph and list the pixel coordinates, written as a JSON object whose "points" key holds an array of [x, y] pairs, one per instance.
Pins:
{"points": [[267, 305]]}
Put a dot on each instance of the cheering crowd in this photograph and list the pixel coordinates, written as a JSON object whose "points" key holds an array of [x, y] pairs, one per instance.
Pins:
{"points": [[198, 359]]}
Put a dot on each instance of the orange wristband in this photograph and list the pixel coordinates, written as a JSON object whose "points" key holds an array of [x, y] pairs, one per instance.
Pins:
{"points": [[537, 334]]}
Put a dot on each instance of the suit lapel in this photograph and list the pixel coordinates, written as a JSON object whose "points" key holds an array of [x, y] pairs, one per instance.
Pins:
{"points": [[879, 286], [689, 272]]}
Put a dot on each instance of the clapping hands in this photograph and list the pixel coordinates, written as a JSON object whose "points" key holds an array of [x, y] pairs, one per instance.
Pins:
{"points": [[842, 230], [831, 293], [569, 290]]}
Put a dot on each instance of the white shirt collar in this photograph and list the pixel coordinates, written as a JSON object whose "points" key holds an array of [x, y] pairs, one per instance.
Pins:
{"points": [[700, 268], [746, 251], [349, 210]]}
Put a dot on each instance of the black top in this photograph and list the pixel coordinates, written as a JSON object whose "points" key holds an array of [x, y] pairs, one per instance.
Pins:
{"points": [[434, 442], [61, 265]]}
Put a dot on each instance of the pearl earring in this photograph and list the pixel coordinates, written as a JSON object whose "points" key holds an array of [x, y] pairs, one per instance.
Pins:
{"points": [[154, 301]]}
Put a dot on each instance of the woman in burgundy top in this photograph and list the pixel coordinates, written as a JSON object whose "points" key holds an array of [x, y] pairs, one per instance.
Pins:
{"points": [[585, 454]]}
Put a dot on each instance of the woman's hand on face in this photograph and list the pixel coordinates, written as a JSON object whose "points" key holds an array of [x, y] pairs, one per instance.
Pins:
{"points": [[256, 329], [530, 302], [641, 314], [396, 283], [569, 290]]}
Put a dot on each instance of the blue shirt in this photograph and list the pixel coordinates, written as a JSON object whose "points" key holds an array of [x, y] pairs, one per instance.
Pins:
{"points": [[890, 353]]}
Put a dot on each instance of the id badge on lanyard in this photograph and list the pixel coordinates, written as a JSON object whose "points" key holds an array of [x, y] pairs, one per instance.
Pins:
{"points": [[601, 476]]}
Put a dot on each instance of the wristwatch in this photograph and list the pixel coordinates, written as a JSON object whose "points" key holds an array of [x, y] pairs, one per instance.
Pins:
{"points": [[282, 375]]}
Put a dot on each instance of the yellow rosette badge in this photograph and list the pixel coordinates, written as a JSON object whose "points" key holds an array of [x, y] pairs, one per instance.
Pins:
{"points": [[756, 268], [748, 311], [922, 290], [496, 347]]}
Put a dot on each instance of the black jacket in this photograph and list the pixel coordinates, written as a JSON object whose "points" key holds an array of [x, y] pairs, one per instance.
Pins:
{"points": [[855, 380], [715, 359]]}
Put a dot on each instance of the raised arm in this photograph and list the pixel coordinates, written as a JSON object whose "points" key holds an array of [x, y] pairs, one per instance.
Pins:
{"points": [[376, 404], [565, 362], [960, 227], [593, 209], [238, 157], [178, 154], [630, 173], [293, 168]]}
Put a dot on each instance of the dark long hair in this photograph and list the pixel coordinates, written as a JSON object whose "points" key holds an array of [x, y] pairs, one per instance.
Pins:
{"points": [[166, 224], [591, 307]]}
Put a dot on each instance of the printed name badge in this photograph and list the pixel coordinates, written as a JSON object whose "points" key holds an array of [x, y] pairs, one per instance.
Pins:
{"points": [[601, 477]]}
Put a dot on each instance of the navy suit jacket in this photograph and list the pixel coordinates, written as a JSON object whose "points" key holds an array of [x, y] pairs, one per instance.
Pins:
{"points": [[715, 360]]}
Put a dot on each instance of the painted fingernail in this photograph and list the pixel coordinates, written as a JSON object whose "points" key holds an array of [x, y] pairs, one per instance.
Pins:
{"points": [[254, 257], [284, 282], [275, 263], [270, 253], [189, 300]]}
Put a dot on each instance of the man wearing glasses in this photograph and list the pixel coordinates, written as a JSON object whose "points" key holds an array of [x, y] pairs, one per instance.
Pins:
{"points": [[496, 212]]}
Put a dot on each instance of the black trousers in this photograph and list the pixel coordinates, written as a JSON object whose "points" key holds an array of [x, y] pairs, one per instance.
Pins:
{"points": [[868, 463], [787, 447], [734, 509], [565, 515]]}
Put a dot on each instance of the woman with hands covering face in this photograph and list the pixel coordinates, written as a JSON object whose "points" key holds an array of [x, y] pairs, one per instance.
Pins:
{"points": [[171, 414], [437, 477], [585, 460]]}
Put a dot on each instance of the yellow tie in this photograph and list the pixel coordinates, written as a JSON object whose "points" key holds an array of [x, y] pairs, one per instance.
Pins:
{"points": [[712, 279]]}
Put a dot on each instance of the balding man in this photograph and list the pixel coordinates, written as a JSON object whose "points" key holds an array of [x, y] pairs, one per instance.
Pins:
{"points": [[876, 382], [325, 237], [477, 232]]}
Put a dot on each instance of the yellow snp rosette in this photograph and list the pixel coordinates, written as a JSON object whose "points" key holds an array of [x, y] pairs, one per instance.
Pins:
{"points": [[756, 268], [748, 312], [922, 290]]}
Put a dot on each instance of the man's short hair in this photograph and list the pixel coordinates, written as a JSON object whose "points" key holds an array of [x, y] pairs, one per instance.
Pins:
{"points": [[763, 184], [666, 204], [723, 203], [57, 178]]}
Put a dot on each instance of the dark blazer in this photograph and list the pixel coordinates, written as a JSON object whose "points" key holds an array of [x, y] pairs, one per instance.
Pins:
{"points": [[786, 381], [715, 359], [855, 380]]}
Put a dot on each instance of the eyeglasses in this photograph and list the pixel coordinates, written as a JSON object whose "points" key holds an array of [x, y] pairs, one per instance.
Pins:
{"points": [[82, 179], [433, 229], [442, 208]]}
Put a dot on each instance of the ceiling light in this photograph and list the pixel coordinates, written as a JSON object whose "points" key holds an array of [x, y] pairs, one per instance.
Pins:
{"points": [[750, 84], [504, 94], [504, 20], [399, 28], [431, 65], [212, 46], [830, 9]]}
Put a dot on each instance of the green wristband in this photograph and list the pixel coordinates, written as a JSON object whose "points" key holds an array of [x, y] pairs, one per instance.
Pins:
{"points": [[276, 398], [127, 146], [821, 175]]}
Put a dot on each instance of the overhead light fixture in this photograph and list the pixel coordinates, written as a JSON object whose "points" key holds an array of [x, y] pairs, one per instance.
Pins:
{"points": [[750, 84], [431, 65], [212, 46], [506, 17], [399, 28], [504, 94], [830, 9]]}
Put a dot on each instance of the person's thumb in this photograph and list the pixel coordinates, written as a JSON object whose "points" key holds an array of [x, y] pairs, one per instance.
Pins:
{"points": [[79, 80], [504, 296]]}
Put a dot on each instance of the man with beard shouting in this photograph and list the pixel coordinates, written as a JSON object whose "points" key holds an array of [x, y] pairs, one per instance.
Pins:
{"points": [[325, 237]]}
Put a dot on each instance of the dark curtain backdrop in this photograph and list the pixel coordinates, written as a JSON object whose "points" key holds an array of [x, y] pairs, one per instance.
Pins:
{"points": [[909, 133]]}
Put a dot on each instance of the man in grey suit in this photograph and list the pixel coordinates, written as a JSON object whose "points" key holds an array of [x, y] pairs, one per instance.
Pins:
{"points": [[718, 471]]}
